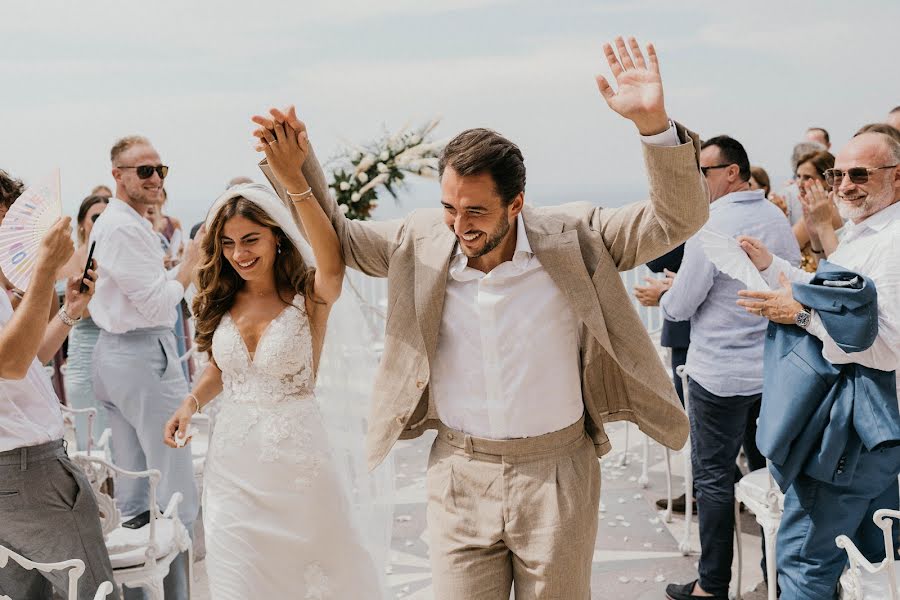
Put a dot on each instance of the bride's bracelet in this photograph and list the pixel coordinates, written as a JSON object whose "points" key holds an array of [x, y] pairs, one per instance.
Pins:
{"points": [[196, 401], [296, 198]]}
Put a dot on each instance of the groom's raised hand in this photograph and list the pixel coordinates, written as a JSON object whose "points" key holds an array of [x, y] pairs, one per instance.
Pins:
{"points": [[639, 97]]}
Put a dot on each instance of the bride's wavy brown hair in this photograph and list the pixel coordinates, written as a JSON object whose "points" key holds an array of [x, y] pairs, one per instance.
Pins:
{"points": [[217, 281]]}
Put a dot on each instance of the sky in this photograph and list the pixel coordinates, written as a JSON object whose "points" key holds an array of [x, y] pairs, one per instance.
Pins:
{"points": [[78, 75]]}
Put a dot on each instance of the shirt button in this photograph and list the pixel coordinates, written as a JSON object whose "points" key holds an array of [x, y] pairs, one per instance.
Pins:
{"points": [[401, 420], [420, 384], [449, 436]]}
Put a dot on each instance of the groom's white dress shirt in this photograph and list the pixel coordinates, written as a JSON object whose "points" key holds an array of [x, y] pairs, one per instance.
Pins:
{"points": [[134, 291], [507, 362], [29, 408]]}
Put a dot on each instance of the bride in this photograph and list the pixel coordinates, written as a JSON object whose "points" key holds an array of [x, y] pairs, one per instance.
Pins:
{"points": [[277, 520]]}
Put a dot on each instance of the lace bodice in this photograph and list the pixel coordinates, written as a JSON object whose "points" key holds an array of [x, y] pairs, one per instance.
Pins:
{"points": [[280, 370], [268, 397]]}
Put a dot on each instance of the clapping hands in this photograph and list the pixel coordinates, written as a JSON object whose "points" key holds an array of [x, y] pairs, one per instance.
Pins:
{"points": [[640, 94]]}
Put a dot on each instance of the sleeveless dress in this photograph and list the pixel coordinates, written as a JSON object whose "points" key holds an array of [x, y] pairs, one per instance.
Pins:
{"points": [[276, 517]]}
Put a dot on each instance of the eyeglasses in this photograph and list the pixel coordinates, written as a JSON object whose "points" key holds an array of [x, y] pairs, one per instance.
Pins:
{"points": [[856, 174], [146, 171], [94, 217], [705, 169]]}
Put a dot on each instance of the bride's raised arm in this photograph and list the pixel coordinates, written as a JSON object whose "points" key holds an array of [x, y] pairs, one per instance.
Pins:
{"points": [[286, 150]]}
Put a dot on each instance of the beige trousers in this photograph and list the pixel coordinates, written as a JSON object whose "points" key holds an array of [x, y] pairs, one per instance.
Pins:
{"points": [[517, 512]]}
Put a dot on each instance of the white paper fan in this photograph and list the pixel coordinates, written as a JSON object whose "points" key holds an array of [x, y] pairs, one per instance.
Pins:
{"points": [[726, 253], [28, 219]]}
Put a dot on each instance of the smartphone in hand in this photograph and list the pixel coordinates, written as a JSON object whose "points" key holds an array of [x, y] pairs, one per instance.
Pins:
{"points": [[87, 266]]}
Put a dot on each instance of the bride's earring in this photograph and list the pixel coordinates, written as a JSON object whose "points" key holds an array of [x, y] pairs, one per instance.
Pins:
{"points": [[278, 248]]}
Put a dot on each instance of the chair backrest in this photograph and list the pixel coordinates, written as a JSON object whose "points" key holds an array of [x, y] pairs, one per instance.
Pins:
{"points": [[74, 566], [98, 471], [69, 422], [884, 519]]}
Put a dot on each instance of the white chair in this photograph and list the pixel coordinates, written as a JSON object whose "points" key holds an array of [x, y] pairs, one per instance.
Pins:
{"points": [[75, 567], [140, 557], [761, 496], [873, 582]]}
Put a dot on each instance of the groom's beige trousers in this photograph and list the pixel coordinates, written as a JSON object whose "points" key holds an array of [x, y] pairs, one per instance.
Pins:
{"points": [[504, 512]]}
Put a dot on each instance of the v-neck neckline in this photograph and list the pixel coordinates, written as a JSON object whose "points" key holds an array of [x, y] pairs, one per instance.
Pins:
{"points": [[251, 356]]}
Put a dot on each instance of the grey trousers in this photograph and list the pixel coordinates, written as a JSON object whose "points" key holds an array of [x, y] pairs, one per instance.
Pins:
{"points": [[139, 381], [48, 514]]}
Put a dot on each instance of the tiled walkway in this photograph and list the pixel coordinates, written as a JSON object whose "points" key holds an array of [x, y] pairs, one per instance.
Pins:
{"points": [[636, 553]]}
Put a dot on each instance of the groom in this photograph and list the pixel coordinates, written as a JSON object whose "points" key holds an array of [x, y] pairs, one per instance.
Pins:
{"points": [[510, 332]]}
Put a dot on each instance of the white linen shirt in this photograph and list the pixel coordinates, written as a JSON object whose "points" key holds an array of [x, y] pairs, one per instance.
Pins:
{"points": [[871, 248], [507, 357], [134, 291], [29, 408]]}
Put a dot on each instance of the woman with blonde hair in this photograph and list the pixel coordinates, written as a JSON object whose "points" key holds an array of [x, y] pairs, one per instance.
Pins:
{"points": [[276, 515]]}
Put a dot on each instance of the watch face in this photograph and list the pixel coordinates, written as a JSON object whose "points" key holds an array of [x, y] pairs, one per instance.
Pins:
{"points": [[802, 319]]}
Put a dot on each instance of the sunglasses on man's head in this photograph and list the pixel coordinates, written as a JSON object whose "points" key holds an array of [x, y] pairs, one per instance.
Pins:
{"points": [[146, 171], [94, 217], [856, 174]]}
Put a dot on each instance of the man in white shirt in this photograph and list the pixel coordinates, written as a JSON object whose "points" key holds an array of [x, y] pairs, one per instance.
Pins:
{"points": [[47, 508], [137, 374], [866, 179]]}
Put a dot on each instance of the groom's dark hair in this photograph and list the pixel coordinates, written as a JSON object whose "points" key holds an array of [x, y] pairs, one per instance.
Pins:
{"points": [[477, 151]]}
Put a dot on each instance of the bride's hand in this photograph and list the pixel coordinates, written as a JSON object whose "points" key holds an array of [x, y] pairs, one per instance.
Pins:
{"points": [[284, 140], [176, 434]]}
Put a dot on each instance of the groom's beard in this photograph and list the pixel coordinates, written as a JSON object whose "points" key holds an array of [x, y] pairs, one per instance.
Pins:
{"points": [[493, 239]]}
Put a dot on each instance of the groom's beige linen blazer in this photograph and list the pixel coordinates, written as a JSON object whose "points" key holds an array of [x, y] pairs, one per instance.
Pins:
{"points": [[582, 247]]}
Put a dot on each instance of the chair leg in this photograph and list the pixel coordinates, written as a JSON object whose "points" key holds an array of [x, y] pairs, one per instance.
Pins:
{"points": [[623, 461], [769, 534], [154, 590], [668, 514], [685, 546], [740, 548], [644, 479]]}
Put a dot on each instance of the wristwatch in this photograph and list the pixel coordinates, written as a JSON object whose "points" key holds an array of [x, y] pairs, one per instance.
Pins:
{"points": [[803, 318]]}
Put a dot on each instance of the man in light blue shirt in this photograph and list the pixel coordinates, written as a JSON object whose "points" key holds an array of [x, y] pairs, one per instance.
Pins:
{"points": [[725, 359]]}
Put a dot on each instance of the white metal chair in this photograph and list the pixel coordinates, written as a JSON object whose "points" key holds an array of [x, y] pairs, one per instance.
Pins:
{"points": [[140, 557], [75, 567], [761, 496], [685, 545], [872, 582]]}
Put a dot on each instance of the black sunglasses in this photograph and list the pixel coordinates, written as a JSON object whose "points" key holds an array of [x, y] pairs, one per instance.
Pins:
{"points": [[94, 217], [705, 169], [856, 174], [146, 171]]}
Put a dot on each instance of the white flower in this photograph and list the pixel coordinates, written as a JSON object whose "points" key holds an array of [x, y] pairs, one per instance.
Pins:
{"points": [[356, 156], [344, 186], [362, 177], [354, 197], [384, 155], [344, 208], [414, 140], [382, 168]]}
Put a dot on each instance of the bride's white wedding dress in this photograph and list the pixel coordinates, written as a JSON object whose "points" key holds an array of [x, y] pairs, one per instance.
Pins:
{"points": [[276, 518]]}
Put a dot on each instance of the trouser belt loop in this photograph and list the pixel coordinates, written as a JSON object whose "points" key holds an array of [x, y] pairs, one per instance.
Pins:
{"points": [[24, 459], [470, 449]]}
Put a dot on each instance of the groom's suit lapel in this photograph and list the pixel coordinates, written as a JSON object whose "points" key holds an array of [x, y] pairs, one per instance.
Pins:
{"points": [[560, 255], [433, 252]]}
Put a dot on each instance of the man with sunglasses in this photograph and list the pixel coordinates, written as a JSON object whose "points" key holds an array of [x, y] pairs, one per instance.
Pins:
{"points": [[137, 373], [725, 358], [866, 181]]}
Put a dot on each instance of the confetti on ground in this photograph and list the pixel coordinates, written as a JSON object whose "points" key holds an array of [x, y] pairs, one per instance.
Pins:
{"points": [[623, 579], [659, 578]]}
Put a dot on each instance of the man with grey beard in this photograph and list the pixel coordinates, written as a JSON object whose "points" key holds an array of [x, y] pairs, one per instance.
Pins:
{"points": [[866, 181]]}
